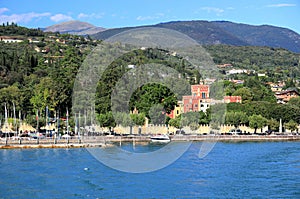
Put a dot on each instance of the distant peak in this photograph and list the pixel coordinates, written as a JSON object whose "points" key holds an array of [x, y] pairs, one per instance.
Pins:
{"points": [[74, 27]]}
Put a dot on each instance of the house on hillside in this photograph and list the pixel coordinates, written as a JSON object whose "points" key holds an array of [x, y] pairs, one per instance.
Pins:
{"points": [[237, 81], [276, 87], [232, 99], [200, 100], [224, 66], [7, 39], [236, 71], [285, 96], [33, 40], [261, 75], [177, 110]]}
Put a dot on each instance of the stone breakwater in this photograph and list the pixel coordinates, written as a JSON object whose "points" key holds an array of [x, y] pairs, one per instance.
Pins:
{"points": [[106, 141]]}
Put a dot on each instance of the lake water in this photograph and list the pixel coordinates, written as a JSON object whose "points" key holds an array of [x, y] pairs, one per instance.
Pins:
{"points": [[230, 170]]}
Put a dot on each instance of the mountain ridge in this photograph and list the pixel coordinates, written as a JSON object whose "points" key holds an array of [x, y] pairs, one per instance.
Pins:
{"points": [[74, 27], [225, 32]]}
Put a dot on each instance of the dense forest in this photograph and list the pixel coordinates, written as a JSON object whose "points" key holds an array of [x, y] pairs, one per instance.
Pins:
{"points": [[40, 71]]}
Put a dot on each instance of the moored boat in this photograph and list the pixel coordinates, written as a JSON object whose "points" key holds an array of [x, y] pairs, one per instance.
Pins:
{"points": [[160, 138]]}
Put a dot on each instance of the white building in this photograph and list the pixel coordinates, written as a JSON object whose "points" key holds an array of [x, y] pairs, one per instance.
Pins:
{"points": [[10, 40]]}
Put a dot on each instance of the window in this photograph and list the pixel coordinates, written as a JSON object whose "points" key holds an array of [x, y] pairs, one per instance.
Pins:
{"points": [[203, 95]]}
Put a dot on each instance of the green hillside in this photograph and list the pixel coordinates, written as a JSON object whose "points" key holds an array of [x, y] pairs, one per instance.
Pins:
{"points": [[40, 71]]}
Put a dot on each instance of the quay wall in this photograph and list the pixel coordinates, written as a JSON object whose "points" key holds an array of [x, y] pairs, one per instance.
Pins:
{"points": [[102, 141], [163, 129]]}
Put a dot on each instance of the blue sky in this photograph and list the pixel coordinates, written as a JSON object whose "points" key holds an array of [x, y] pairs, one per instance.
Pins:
{"points": [[122, 13]]}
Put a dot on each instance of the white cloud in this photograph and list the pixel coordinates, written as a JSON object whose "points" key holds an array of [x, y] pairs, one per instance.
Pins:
{"points": [[92, 15], [230, 8], [82, 15], [281, 5], [3, 10], [27, 17], [217, 11], [21, 18], [143, 18], [156, 16], [60, 17]]}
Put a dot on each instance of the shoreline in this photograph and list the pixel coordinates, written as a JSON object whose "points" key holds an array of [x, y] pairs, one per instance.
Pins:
{"points": [[107, 141]]}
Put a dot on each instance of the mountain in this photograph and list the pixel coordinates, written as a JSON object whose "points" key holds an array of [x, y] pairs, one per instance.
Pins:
{"points": [[224, 32], [74, 27], [264, 35]]}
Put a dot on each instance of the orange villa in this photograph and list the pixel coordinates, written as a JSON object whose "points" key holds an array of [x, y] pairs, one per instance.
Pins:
{"points": [[200, 100], [285, 96], [232, 99]]}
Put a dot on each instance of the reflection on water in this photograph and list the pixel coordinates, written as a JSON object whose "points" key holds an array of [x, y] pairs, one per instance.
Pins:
{"points": [[140, 147]]}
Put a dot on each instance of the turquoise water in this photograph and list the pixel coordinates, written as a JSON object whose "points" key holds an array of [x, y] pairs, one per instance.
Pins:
{"points": [[231, 170]]}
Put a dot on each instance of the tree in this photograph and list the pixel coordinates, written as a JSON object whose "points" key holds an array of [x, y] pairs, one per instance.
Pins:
{"points": [[194, 126], [157, 115], [257, 121], [123, 119], [44, 95], [261, 93], [106, 120], [217, 90], [289, 83], [138, 119], [295, 101], [189, 118], [127, 121], [291, 125], [245, 93], [151, 94], [236, 118], [175, 122], [204, 118], [11, 94], [273, 124], [216, 114]]}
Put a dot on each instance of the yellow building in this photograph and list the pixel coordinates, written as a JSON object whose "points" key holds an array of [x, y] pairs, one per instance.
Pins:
{"points": [[177, 110]]}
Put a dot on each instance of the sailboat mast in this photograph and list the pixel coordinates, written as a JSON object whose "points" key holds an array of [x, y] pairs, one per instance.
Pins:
{"points": [[76, 125], [37, 120], [67, 121], [5, 113], [47, 122], [57, 123], [20, 119], [79, 124], [15, 120], [85, 112], [5, 122]]}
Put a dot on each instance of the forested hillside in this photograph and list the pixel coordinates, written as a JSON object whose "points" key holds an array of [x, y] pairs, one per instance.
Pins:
{"points": [[276, 62], [39, 72]]}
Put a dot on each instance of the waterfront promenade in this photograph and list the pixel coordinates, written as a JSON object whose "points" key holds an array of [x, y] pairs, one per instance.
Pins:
{"points": [[106, 141]]}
